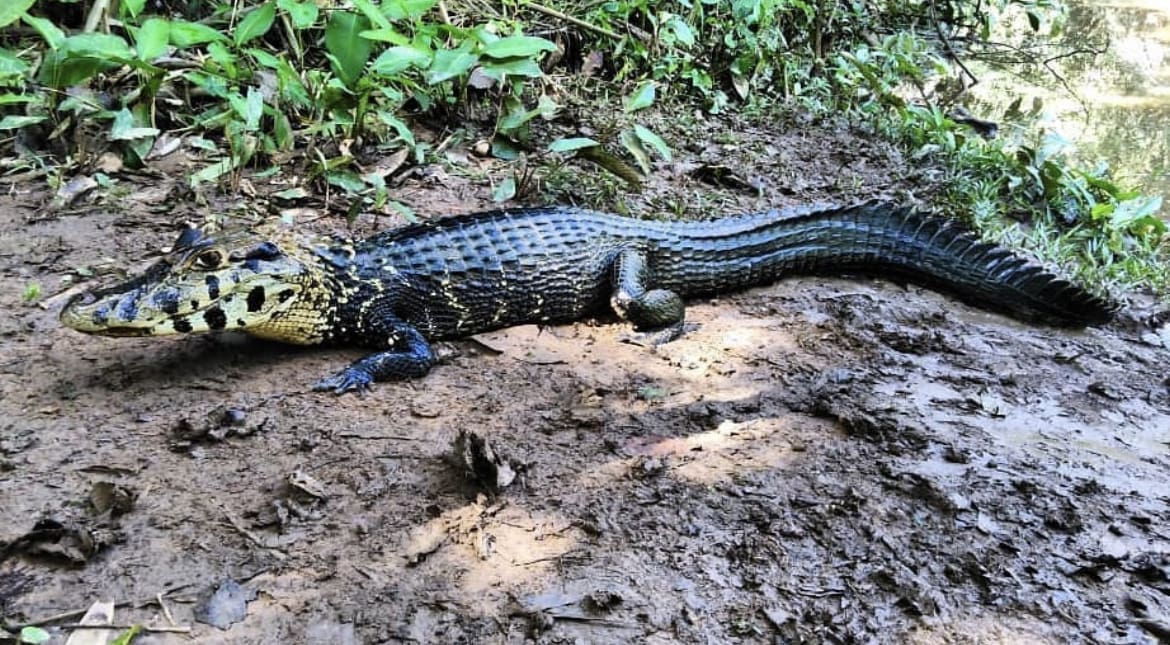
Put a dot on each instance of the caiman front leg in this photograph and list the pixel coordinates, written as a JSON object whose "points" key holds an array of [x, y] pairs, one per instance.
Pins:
{"points": [[409, 355], [657, 313]]}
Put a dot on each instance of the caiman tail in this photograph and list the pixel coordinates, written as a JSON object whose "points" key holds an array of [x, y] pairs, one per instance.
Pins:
{"points": [[878, 237]]}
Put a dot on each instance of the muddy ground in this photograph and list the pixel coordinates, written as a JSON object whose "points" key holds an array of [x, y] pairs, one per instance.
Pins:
{"points": [[823, 460]]}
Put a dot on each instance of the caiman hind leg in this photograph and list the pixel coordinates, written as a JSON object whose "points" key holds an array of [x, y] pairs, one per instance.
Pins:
{"points": [[656, 313], [409, 356]]}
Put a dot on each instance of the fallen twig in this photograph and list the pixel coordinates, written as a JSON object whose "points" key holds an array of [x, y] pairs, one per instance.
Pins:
{"points": [[165, 610], [162, 629], [66, 615], [549, 11], [238, 525]]}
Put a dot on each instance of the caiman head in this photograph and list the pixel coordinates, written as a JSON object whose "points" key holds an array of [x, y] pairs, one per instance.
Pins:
{"points": [[238, 280]]}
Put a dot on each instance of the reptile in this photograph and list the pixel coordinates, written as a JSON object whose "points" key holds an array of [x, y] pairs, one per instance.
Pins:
{"points": [[399, 290]]}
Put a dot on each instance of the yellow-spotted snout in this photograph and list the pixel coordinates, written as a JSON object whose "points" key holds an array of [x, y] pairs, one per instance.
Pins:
{"points": [[205, 283]]}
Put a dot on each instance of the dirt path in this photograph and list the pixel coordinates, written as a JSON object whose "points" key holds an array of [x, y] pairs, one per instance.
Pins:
{"points": [[825, 460]]}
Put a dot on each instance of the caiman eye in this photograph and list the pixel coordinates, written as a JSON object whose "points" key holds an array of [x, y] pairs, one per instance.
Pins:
{"points": [[209, 259]]}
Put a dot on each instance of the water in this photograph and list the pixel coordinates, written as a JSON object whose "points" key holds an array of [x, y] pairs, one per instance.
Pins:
{"points": [[1114, 106]]}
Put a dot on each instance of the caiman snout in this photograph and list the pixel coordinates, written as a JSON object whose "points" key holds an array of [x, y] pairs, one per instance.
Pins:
{"points": [[92, 313]]}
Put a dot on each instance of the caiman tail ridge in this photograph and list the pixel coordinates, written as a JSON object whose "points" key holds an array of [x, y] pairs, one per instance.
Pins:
{"points": [[946, 256]]}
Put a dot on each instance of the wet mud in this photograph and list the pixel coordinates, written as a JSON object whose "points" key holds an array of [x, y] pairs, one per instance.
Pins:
{"points": [[822, 460]]}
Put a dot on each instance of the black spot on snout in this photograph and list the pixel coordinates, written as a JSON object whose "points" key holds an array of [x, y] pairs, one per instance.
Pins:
{"points": [[128, 307], [101, 315], [182, 326], [167, 301], [212, 287], [215, 318], [283, 296], [255, 299]]}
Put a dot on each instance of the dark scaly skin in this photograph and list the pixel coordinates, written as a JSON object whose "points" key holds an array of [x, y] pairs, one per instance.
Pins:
{"points": [[397, 291]]}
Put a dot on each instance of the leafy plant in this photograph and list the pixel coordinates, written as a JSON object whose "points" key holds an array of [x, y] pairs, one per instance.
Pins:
{"points": [[380, 58]]}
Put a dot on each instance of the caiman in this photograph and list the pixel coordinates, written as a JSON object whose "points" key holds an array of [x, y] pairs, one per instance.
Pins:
{"points": [[399, 290]]}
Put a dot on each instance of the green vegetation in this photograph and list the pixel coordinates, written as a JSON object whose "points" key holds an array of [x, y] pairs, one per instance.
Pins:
{"points": [[257, 83], [34, 635], [1107, 235]]}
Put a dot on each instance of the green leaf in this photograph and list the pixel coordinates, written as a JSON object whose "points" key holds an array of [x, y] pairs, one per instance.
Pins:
{"points": [[255, 23], [514, 115], [633, 144], [249, 109], [223, 56], [512, 67], [653, 140], [407, 9], [12, 10], [504, 190], [346, 180], [484, 35], [569, 145], [212, 172], [503, 148], [79, 57], [282, 131], [389, 35], [302, 14], [11, 66], [652, 393], [449, 63], [350, 52], [99, 45], [152, 38], [682, 31], [400, 127], [514, 46], [34, 635], [13, 99], [546, 107], [188, 34], [292, 89], [372, 13], [406, 212], [127, 637], [642, 98], [263, 58], [50, 32], [397, 59], [1140, 210], [253, 108], [131, 8], [16, 122], [124, 128]]}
